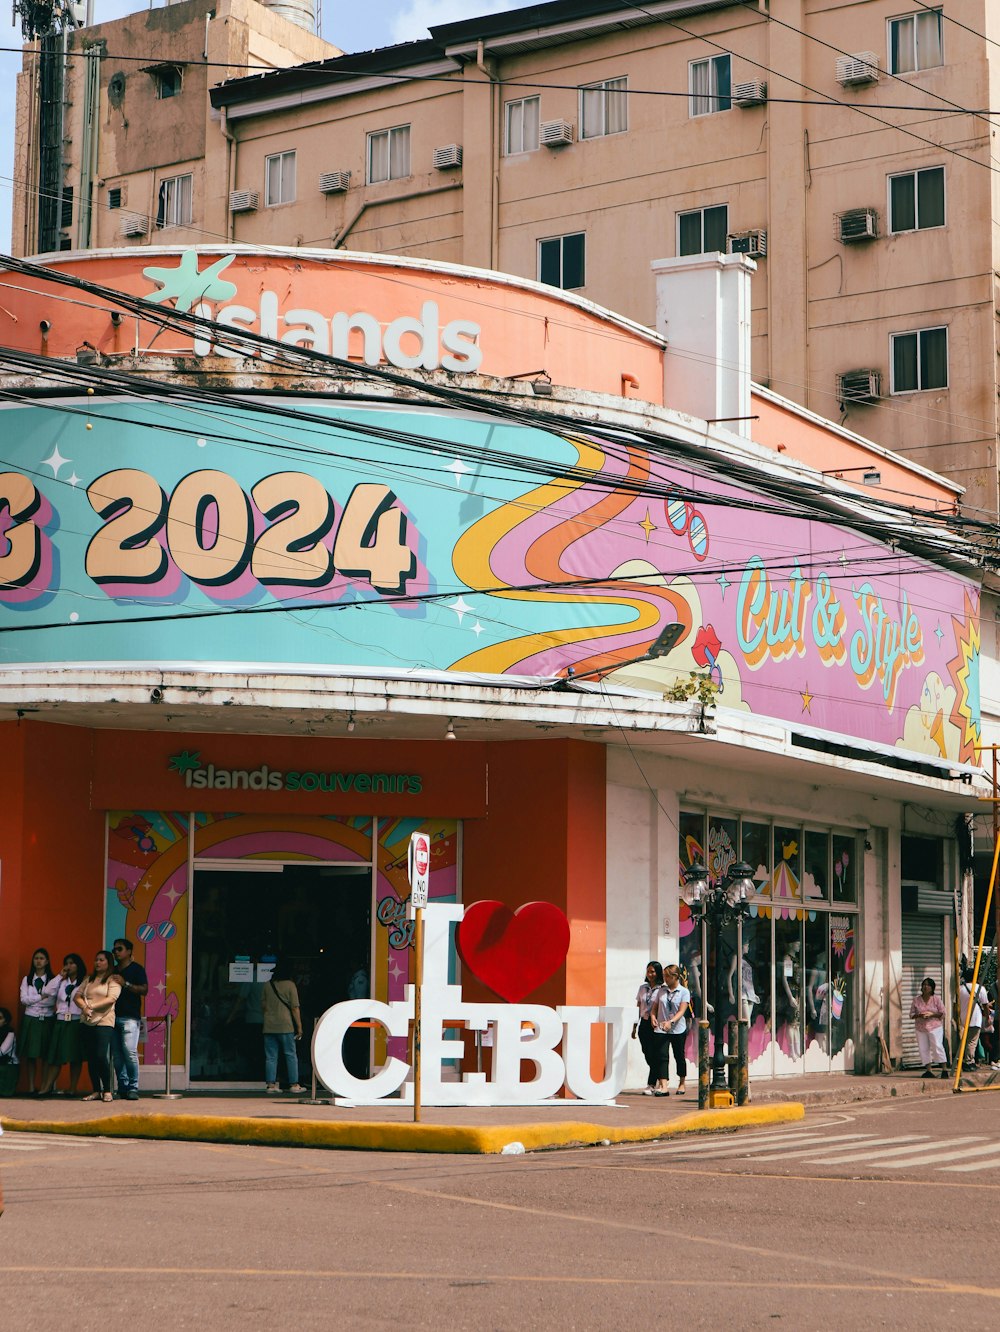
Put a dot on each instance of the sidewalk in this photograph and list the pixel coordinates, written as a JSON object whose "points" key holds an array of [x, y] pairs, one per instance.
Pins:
{"points": [[252, 1117]]}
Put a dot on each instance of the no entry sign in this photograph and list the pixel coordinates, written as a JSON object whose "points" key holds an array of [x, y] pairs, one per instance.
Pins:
{"points": [[419, 865]]}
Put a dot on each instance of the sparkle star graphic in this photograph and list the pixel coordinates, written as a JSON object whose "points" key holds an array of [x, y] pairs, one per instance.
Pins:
{"points": [[186, 761], [461, 608], [807, 700], [55, 460], [477, 629], [648, 526], [458, 471], [939, 633], [186, 286], [724, 583]]}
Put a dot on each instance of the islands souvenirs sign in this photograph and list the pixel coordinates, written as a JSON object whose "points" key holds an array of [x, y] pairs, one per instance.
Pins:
{"points": [[508, 952]]}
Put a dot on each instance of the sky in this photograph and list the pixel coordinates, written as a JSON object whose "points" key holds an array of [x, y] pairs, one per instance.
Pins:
{"points": [[358, 28]]}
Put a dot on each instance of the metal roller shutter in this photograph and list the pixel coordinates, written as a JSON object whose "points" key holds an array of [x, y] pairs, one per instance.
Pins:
{"points": [[923, 955]]}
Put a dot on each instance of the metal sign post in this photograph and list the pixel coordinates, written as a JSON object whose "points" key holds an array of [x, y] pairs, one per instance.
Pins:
{"points": [[419, 873]]}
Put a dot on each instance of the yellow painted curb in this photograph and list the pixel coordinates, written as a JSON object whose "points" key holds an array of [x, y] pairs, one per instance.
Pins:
{"points": [[375, 1137]]}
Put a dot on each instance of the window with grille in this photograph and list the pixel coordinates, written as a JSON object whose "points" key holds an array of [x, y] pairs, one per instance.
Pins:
{"points": [[389, 154], [916, 200], [279, 179], [710, 85], [66, 211], [561, 261], [703, 230], [521, 119], [173, 208], [604, 108], [919, 360]]}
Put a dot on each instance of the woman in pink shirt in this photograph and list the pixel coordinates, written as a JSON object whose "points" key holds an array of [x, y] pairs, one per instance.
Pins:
{"points": [[927, 1011]]}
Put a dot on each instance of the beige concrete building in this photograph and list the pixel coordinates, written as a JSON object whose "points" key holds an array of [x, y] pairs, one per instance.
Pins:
{"points": [[578, 141]]}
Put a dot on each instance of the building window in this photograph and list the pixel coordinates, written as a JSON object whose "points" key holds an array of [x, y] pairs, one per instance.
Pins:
{"points": [[919, 360], [916, 200], [703, 230], [279, 179], [66, 211], [915, 42], [710, 85], [115, 195], [561, 261], [173, 207], [389, 154], [522, 125], [167, 79], [604, 108]]}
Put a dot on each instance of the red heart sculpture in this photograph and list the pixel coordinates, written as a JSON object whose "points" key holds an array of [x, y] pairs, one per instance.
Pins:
{"points": [[513, 952]]}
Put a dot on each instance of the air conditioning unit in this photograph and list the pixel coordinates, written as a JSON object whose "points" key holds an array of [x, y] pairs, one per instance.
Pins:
{"points": [[857, 224], [855, 70], [555, 133], [244, 201], [134, 224], [751, 243], [334, 182], [447, 157], [750, 94], [859, 386]]}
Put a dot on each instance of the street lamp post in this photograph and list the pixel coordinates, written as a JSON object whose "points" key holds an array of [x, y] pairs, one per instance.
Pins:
{"points": [[715, 904]]}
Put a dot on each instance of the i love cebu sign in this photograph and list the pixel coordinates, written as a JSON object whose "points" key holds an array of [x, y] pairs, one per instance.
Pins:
{"points": [[550, 1045]]}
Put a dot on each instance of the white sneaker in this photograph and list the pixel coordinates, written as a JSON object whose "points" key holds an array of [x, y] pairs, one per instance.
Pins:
{"points": [[647, 1091]]}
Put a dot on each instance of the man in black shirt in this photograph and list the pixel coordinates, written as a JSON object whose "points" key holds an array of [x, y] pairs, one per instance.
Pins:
{"points": [[128, 1012]]}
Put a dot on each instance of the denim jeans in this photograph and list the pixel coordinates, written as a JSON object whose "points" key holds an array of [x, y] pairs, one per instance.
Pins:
{"points": [[126, 1053], [273, 1042]]}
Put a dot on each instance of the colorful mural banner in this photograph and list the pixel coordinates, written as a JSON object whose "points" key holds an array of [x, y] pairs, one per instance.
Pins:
{"points": [[381, 538]]}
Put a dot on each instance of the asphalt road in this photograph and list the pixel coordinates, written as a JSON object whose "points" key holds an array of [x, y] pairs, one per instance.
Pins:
{"points": [[862, 1217]]}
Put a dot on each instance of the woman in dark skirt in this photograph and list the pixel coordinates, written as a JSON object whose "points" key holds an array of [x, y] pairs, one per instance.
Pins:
{"points": [[38, 998], [66, 1045]]}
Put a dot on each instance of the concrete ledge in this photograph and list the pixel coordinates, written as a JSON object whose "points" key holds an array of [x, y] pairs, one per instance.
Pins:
{"points": [[467, 1139]]}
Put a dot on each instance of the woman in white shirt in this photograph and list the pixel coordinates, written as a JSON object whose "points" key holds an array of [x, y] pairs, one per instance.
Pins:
{"points": [[643, 1027], [669, 1017], [979, 1001], [66, 1045], [38, 999]]}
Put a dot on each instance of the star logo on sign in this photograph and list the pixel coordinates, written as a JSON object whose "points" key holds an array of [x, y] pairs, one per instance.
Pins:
{"points": [[186, 761], [186, 286]]}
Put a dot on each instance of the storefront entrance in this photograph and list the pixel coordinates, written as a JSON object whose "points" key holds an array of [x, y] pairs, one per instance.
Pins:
{"points": [[317, 918]]}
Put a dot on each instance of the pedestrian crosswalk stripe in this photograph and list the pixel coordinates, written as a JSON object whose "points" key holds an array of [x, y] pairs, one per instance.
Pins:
{"points": [[981, 1164], [807, 1143], [956, 1155], [922, 1152], [736, 1142], [36, 1142], [917, 1141], [6, 1146]]}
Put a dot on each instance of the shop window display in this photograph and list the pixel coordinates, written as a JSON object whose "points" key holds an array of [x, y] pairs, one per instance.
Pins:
{"points": [[796, 970]]}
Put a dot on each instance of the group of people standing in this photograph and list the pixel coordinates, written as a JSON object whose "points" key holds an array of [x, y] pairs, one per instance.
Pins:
{"points": [[928, 1013], [661, 1027], [74, 1016]]}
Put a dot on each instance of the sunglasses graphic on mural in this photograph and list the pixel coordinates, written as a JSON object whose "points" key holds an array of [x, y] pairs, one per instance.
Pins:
{"points": [[513, 952], [147, 932]]}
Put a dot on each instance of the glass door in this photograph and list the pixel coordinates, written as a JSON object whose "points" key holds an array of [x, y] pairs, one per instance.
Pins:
{"points": [[247, 914]]}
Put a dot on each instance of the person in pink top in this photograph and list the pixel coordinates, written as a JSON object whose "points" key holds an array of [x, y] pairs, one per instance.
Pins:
{"points": [[927, 1011]]}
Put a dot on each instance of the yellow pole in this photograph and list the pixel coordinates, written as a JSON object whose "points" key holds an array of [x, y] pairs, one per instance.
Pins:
{"points": [[975, 974], [418, 943]]}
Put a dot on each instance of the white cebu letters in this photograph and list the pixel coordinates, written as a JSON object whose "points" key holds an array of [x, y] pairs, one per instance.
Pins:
{"points": [[522, 1034]]}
